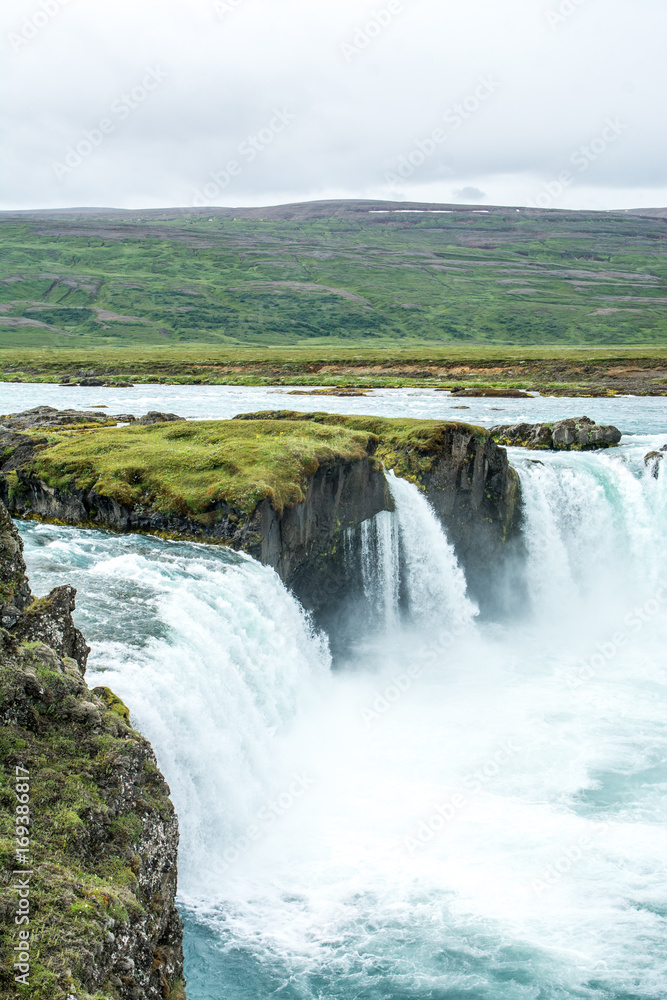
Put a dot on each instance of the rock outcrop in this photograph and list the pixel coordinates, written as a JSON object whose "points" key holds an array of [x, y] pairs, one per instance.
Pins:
{"points": [[468, 480], [98, 847], [301, 543], [654, 460], [465, 474], [48, 417], [574, 434], [477, 496], [491, 394]]}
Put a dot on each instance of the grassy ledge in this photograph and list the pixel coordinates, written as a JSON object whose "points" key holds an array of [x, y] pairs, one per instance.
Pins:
{"points": [[185, 468]]}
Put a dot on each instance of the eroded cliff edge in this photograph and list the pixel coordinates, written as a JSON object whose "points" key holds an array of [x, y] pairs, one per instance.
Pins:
{"points": [[102, 839], [284, 487]]}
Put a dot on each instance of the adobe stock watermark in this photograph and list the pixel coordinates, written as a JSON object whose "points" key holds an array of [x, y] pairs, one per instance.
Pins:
{"points": [[225, 7], [35, 23], [446, 811], [581, 158], [568, 859], [269, 814], [21, 878], [634, 621], [246, 153], [121, 109], [566, 8], [454, 117], [366, 33], [385, 699]]}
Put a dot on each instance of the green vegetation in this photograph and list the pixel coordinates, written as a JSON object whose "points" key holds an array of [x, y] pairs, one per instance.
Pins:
{"points": [[79, 889], [187, 466], [560, 371], [179, 278], [408, 446]]}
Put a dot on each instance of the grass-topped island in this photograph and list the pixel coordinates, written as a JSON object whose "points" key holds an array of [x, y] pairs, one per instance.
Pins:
{"points": [[281, 486]]}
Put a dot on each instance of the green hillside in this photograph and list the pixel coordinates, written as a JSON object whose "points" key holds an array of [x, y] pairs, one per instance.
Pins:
{"points": [[343, 275]]}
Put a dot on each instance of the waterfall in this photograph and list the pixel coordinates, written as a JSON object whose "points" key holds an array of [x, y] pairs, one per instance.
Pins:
{"points": [[405, 559], [485, 822], [380, 567], [595, 528], [215, 658], [434, 582]]}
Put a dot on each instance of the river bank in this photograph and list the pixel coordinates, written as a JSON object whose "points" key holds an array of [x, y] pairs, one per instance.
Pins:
{"points": [[562, 371]]}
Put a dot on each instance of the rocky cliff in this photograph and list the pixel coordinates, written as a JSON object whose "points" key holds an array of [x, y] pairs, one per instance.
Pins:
{"points": [[322, 475], [467, 478], [87, 831]]}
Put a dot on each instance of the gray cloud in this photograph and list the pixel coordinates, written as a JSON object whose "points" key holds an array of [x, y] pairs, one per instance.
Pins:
{"points": [[400, 98]]}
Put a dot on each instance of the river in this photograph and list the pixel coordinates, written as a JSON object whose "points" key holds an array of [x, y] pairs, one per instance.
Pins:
{"points": [[463, 807]]}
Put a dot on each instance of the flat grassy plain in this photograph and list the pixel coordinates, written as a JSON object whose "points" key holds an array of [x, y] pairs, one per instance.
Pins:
{"points": [[339, 293], [559, 370]]}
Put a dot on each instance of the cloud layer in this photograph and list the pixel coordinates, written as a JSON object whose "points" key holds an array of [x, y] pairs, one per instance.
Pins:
{"points": [[250, 102]]}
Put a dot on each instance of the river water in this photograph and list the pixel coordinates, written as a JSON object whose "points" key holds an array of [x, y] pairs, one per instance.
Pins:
{"points": [[464, 808]]}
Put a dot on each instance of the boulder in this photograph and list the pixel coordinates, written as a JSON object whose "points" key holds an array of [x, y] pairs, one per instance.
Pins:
{"points": [[155, 417], [653, 460], [572, 434], [45, 417], [49, 620]]}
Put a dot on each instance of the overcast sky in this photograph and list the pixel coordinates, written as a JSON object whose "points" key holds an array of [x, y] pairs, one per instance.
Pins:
{"points": [[158, 103]]}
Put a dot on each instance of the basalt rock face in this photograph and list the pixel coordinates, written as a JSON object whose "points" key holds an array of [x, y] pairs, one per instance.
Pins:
{"points": [[100, 861], [304, 544], [469, 482], [477, 496], [575, 434], [655, 461]]}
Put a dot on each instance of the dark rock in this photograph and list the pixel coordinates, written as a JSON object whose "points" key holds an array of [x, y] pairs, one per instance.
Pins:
{"points": [[45, 417], [17, 449], [9, 615], [653, 460], [15, 593], [305, 545], [573, 434], [491, 393], [477, 496], [154, 417], [103, 817], [49, 620]]}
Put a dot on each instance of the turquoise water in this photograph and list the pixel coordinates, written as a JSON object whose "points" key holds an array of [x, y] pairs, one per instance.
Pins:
{"points": [[464, 809]]}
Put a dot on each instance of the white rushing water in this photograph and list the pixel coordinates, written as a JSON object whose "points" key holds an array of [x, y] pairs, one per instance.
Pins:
{"points": [[466, 810]]}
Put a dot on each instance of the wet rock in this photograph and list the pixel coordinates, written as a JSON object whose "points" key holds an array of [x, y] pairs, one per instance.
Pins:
{"points": [[104, 839], [654, 459], [15, 594], [155, 417], [573, 434], [49, 620]]}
